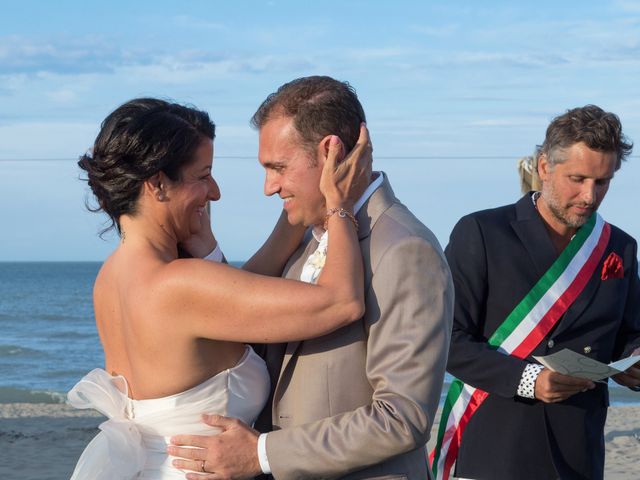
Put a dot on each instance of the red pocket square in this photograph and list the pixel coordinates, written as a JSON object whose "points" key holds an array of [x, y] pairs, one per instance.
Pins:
{"points": [[612, 267]]}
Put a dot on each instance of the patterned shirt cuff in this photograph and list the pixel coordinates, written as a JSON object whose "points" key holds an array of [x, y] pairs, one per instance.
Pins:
{"points": [[527, 387], [262, 454]]}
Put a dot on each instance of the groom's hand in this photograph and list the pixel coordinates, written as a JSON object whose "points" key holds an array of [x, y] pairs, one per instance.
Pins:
{"points": [[232, 454]]}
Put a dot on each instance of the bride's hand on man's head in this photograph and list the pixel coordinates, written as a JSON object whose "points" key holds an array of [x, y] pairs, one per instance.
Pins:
{"points": [[344, 181], [203, 242]]}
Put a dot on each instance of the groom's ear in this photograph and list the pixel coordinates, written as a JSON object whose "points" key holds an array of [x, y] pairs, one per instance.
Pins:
{"points": [[323, 149], [544, 167]]}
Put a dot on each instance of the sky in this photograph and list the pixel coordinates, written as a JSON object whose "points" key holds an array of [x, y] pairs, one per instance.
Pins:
{"points": [[454, 92]]}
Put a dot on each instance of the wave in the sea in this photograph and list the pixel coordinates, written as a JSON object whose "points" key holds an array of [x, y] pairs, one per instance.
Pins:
{"points": [[73, 335], [48, 318], [18, 395], [15, 351]]}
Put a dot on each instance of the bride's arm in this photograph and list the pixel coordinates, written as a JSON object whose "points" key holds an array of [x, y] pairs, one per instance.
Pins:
{"points": [[217, 301], [271, 258]]}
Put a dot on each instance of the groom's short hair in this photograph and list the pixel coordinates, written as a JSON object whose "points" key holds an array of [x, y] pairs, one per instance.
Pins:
{"points": [[319, 106]]}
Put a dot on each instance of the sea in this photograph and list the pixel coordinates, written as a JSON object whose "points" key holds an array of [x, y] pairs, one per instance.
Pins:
{"points": [[48, 337]]}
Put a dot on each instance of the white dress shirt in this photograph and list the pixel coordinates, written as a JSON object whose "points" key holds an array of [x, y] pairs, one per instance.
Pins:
{"points": [[216, 255]]}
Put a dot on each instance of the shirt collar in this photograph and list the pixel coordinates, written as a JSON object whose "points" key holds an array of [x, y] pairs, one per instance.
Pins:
{"points": [[318, 231], [534, 198]]}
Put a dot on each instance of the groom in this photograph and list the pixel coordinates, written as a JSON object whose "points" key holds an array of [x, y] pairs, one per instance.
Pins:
{"points": [[359, 402]]}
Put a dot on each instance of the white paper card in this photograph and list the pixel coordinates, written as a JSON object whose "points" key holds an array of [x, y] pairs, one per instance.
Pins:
{"points": [[571, 363]]}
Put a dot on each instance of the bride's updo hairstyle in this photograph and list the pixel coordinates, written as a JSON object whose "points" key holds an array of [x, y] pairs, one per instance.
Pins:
{"points": [[136, 141]]}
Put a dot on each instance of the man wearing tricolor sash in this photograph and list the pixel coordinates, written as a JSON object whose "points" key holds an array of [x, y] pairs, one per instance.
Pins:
{"points": [[533, 278]]}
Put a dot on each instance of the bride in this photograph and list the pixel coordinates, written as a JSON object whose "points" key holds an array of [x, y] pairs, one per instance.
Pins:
{"points": [[173, 328]]}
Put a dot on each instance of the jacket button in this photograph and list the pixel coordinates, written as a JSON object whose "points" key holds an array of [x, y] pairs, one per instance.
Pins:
{"points": [[587, 349], [551, 343]]}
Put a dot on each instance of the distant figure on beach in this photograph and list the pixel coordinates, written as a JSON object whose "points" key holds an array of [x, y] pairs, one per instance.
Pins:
{"points": [[533, 278], [360, 402], [528, 172], [172, 329]]}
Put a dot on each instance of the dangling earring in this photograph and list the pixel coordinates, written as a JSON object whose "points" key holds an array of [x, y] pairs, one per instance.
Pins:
{"points": [[160, 196]]}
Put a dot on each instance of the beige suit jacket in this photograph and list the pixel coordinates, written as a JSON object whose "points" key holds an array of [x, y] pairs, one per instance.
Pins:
{"points": [[360, 402]]}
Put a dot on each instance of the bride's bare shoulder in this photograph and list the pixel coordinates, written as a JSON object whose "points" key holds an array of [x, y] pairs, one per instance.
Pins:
{"points": [[125, 272], [194, 270]]}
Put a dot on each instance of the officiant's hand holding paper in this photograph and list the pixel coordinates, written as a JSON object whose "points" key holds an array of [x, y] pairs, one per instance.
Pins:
{"points": [[574, 364], [631, 376], [553, 387]]}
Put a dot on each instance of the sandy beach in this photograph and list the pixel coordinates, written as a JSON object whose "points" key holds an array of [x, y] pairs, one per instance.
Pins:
{"points": [[43, 441]]}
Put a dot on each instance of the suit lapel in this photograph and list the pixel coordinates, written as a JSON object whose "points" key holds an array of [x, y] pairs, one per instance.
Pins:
{"points": [[374, 207], [293, 271], [533, 234]]}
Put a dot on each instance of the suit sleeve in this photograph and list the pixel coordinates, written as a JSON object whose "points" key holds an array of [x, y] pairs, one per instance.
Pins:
{"points": [[410, 307], [628, 338], [470, 357]]}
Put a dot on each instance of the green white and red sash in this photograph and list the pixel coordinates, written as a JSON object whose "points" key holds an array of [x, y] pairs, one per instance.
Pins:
{"points": [[524, 328]]}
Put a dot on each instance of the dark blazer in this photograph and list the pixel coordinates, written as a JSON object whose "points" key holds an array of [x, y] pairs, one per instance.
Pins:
{"points": [[496, 256]]}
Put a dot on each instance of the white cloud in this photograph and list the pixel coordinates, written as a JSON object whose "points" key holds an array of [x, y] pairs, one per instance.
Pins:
{"points": [[503, 122], [187, 21], [23, 57], [439, 31], [178, 69], [382, 53], [236, 131], [46, 140], [62, 55], [629, 6], [62, 96], [529, 60]]}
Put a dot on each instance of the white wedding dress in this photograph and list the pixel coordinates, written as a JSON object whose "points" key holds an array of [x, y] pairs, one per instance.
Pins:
{"points": [[133, 441]]}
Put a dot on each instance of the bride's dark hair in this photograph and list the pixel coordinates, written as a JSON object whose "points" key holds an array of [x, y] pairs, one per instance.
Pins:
{"points": [[137, 140]]}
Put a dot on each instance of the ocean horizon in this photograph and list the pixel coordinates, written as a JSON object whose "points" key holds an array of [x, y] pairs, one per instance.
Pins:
{"points": [[48, 337]]}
